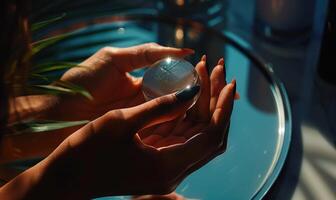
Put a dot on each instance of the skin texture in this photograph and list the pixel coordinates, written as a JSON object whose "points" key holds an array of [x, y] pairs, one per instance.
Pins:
{"points": [[131, 147]]}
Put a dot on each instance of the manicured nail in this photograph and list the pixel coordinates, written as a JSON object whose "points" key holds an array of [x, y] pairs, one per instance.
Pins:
{"points": [[220, 61], [203, 58], [188, 50], [187, 93], [224, 71], [234, 86]]}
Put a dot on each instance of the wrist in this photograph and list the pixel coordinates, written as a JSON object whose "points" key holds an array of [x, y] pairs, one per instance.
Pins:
{"points": [[59, 177], [39, 182]]}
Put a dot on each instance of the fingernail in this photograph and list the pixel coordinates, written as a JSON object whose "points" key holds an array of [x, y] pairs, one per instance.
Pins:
{"points": [[224, 69], [188, 50], [220, 61], [187, 93], [234, 86], [203, 58]]}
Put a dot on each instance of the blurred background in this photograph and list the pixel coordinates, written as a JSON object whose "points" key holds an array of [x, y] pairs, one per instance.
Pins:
{"points": [[287, 41]]}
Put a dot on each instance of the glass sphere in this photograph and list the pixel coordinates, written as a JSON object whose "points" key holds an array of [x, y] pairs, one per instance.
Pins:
{"points": [[167, 76]]}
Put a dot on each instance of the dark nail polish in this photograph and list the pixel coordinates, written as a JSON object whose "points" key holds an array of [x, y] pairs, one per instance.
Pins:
{"points": [[224, 71], [234, 86], [188, 93]]}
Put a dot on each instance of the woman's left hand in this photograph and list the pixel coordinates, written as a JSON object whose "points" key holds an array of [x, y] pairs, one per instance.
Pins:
{"points": [[106, 76]]}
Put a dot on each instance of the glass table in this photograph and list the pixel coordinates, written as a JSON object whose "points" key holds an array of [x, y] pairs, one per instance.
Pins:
{"points": [[260, 130]]}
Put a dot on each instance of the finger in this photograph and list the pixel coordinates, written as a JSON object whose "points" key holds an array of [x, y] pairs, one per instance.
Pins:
{"points": [[222, 113], [163, 129], [200, 111], [213, 155], [146, 132], [222, 147], [166, 129], [217, 82], [181, 127], [203, 147], [152, 139], [171, 140], [194, 130], [161, 109], [128, 59], [179, 158]]}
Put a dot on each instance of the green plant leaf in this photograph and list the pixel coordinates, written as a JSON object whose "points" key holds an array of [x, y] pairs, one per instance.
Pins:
{"points": [[76, 88], [41, 44], [51, 89], [39, 76], [44, 125], [39, 25], [62, 87], [54, 66]]}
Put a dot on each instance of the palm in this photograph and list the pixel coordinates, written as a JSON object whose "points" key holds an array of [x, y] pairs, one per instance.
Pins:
{"points": [[197, 119], [173, 132]]}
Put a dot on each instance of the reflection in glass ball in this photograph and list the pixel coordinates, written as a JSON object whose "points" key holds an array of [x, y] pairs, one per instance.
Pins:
{"points": [[167, 76]]}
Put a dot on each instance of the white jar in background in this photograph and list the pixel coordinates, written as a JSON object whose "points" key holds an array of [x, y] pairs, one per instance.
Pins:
{"points": [[284, 19]]}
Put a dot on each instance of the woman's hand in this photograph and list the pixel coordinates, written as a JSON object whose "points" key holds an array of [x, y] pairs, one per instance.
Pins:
{"points": [[105, 75], [108, 156], [196, 119]]}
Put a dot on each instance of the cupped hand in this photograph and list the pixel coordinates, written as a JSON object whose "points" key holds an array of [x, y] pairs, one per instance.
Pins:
{"points": [[106, 76], [178, 131], [198, 118]]}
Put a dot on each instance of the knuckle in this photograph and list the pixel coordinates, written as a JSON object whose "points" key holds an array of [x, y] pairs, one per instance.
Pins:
{"points": [[147, 51], [108, 50], [165, 103], [147, 54], [116, 115], [105, 49], [153, 44]]}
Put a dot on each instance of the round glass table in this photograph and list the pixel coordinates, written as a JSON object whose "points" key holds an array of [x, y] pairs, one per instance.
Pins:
{"points": [[260, 131]]}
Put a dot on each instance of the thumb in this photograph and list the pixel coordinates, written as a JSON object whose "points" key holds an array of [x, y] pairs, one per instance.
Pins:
{"points": [[162, 109]]}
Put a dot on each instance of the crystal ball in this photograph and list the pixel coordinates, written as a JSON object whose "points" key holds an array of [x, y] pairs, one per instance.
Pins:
{"points": [[167, 76]]}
